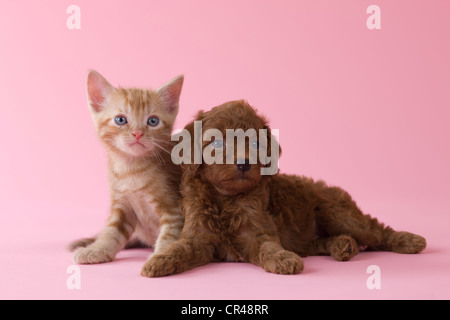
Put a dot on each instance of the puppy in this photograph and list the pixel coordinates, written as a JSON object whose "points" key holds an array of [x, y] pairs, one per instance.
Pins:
{"points": [[233, 212]]}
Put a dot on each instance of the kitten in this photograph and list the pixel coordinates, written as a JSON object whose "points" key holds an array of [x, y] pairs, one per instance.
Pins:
{"points": [[135, 126]]}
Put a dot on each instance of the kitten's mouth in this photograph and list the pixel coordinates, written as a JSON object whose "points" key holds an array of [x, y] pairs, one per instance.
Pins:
{"points": [[137, 143]]}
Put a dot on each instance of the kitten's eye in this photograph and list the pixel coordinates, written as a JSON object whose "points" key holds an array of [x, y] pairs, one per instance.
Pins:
{"points": [[121, 120], [153, 121], [217, 144]]}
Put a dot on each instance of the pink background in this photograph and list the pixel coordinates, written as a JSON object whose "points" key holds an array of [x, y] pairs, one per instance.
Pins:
{"points": [[364, 109]]}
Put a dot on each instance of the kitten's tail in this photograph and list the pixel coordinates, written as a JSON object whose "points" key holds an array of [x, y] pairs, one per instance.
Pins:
{"points": [[82, 243]]}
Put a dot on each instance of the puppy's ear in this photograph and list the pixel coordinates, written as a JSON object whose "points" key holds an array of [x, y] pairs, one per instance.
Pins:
{"points": [[196, 145], [272, 142], [271, 139]]}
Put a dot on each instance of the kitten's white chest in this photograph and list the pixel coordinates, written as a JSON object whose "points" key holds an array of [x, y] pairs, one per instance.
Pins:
{"points": [[134, 191], [143, 207], [130, 185]]}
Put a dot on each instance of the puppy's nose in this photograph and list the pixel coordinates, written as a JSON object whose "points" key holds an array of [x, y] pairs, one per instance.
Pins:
{"points": [[243, 165]]}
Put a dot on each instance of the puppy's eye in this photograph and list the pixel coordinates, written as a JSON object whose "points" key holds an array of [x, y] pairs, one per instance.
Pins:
{"points": [[120, 120], [217, 144], [153, 121]]}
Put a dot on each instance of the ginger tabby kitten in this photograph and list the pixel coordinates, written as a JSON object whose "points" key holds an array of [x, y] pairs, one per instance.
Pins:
{"points": [[135, 126]]}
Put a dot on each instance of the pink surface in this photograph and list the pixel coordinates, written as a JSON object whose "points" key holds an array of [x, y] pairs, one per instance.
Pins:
{"points": [[364, 109]]}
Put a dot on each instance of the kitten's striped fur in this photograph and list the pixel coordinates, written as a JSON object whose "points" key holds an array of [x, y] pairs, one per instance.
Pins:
{"points": [[144, 182]]}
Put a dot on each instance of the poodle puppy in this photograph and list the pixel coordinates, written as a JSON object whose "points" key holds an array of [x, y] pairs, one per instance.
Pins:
{"points": [[235, 213]]}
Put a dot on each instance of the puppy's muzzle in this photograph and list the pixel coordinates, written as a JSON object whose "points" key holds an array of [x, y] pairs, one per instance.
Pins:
{"points": [[243, 165]]}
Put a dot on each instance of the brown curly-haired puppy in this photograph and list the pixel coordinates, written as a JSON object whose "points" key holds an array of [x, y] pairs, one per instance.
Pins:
{"points": [[233, 213]]}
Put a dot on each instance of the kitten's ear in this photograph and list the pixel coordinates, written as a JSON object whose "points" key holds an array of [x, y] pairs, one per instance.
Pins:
{"points": [[170, 93], [99, 89]]}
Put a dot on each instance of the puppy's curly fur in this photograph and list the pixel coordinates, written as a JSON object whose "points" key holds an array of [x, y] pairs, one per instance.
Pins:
{"points": [[240, 215]]}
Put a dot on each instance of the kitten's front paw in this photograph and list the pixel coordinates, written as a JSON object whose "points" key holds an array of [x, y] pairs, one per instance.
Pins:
{"points": [[158, 265], [284, 262], [92, 256]]}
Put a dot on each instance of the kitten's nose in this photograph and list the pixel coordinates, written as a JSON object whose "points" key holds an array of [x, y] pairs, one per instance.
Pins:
{"points": [[137, 134], [244, 165]]}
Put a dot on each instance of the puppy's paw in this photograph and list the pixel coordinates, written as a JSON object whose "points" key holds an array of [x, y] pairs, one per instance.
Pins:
{"points": [[91, 255], [343, 248], [284, 262], [159, 265], [405, 242]]}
